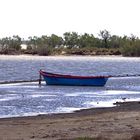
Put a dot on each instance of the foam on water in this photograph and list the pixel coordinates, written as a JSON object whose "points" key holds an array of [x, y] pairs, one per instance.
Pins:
{"points": [[66, 109], [119, 92], [100, 103], [40, 95]]}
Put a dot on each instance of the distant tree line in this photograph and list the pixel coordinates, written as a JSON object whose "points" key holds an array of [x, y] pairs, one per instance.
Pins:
{"points": [[10, 45], [73, 43]]}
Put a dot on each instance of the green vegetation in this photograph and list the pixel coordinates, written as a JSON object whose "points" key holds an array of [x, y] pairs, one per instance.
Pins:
{"points": [[73, 44], [10, 45]]}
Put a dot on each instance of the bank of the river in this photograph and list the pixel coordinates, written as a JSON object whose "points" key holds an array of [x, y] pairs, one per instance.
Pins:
{"points": [[67, 51], [118, 123]]}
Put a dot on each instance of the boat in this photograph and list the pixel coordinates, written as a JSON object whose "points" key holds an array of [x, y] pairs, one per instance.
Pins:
{"points": [[72, 80]]}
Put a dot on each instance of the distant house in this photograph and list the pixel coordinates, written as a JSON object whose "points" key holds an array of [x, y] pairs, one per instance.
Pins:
{"points": [[23, 46]]}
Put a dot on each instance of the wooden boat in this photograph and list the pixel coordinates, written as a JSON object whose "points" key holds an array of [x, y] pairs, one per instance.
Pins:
{"points": [[70, 80]]}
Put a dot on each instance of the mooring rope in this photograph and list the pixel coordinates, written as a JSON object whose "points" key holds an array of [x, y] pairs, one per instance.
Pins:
{"points": [[40, 79], [19, 81], [126, 75]]}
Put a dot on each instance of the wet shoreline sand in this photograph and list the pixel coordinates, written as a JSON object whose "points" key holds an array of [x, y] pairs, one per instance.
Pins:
{"points": [[121, 122]]}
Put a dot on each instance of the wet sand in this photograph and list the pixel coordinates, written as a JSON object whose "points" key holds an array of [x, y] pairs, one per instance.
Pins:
{"points": [[116, 123]]}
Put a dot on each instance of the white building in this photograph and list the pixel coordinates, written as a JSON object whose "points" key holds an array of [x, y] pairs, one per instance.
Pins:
{"points": [[23, 46]]}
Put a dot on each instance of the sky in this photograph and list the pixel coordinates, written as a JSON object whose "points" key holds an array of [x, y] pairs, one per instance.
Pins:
{"points": [[45, 17]]}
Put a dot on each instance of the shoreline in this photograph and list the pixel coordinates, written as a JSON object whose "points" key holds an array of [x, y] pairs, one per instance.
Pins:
{"points": [[71, 57], [120, 122], [118, 106], [28, 56]]}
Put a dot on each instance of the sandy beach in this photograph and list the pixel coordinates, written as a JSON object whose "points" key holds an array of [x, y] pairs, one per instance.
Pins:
{"points": [[116, 123]]}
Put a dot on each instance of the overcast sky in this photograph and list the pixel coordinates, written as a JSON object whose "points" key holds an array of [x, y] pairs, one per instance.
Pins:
{"points": [[44, 17]]}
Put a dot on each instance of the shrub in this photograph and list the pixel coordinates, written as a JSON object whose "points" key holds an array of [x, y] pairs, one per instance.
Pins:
{"points": [[131, 49], [44, 50]]}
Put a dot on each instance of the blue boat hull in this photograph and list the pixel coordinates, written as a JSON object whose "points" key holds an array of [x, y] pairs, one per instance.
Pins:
{"points": [[70, 80], [75, 81]]}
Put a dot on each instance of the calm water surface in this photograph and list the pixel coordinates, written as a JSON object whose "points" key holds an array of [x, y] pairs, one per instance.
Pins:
{"points": [[24, 99]]}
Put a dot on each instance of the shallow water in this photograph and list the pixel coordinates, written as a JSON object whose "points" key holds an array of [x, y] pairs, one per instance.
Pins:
{"points": [[24, 99]]}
